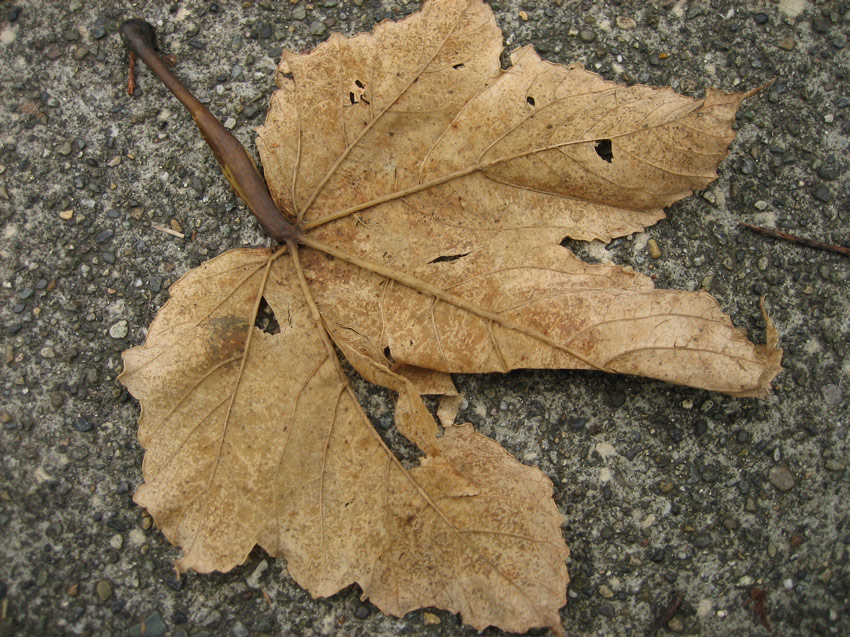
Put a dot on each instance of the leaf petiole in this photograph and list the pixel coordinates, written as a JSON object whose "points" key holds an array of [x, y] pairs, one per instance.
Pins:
{"points": [[140, 37]]}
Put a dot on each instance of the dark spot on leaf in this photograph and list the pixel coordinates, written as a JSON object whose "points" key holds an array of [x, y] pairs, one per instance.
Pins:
{"points": [[228, 336], [530, 100], [603, 149], [459, 65], [359, 84], [351, 98], [389, 355]]}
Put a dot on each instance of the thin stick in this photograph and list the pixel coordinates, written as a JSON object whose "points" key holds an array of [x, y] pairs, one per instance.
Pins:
{"points": [[131, 75], [812, 243], [173, 233]]}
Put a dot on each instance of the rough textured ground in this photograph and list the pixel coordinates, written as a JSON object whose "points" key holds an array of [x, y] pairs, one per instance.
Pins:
{"points": [[740, 506]]}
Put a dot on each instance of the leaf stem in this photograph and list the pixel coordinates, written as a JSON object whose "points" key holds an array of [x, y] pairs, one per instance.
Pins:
{"points": [[238, 167]]}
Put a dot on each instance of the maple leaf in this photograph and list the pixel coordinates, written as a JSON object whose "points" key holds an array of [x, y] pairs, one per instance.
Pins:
{"points": [[424, 194]]}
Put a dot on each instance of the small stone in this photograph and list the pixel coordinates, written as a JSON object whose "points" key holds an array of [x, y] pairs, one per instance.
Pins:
{"points": [[47, 352], [253, 580], [103, 590], [82, 425], [65, 149], [781, 478], [702, 540], [150, 626], [430, 619], [822, 193], [616, 399], [605, 449], [608, 611], [675, 625], [523, 15], [827, 173], [820, 25], [786, 44], [116, 541], [730, 523], [761, 204], [197, 44], [300, 12], [317, 28], [175, 225], [825, 576], [745, 582], [665, 486], [362, 611], [654, 250], [587, 35], [833, 465], [239, 630], [119, 330], [229, 123], [605, 591], [624, 22], [104, 235]]}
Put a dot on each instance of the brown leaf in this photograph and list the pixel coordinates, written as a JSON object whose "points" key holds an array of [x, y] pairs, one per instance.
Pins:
{"points": [[432, 191], [241, 452]]}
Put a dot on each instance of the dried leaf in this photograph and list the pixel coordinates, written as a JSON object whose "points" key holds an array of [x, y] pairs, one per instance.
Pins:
{"points": [[242, 451], [432, 190]]}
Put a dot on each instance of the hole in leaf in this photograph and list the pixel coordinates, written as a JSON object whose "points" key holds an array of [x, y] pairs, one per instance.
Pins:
{"points": [[351, 98], [603, 149], [448, 257], [389, 355], [266, 320], [359, 84], [459, 65], [530, 100]]}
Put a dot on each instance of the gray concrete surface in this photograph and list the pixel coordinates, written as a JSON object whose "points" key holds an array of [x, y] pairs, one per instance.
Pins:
{"points": [[705, 495]]}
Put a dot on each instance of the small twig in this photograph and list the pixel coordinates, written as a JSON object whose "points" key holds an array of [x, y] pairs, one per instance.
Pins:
{"points": [[131, 75], [173, 233], [666, 615], [812, 243]]}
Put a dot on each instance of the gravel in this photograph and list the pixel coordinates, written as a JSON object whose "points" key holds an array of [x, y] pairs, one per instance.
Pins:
{"points": [[738, 488]]}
